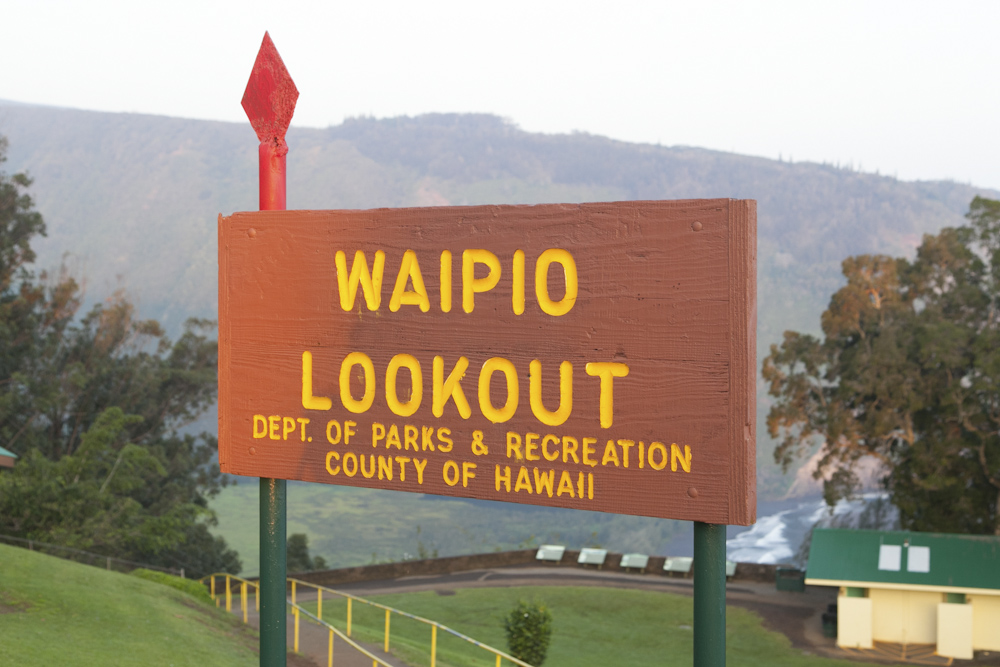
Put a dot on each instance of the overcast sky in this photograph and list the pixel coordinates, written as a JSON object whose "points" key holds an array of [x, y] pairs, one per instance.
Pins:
{"points": [[906, 88]]}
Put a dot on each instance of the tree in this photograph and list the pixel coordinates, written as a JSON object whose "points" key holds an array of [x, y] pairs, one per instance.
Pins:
{"points": [[297, 556], [94, 406], [529, 630], [907, 373]]}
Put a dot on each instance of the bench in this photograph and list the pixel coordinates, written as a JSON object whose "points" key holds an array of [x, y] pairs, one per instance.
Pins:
{"points": [[678, 565], [592, 557], [637, 561], [550, 552]]}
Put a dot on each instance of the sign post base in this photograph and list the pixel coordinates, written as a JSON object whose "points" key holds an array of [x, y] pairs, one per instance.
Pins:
{"points": [[272, 573], [709, 595]]}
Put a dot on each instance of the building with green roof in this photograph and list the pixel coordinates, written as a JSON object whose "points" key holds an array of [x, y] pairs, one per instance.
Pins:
{"points": [[7, 458], [911, 588]]}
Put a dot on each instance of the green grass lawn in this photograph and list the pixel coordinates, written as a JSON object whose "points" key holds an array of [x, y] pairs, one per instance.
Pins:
{"points": [[56, 612], [591, 626]]}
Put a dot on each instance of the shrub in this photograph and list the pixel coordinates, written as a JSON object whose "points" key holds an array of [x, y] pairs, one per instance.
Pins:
{"points": [[189, 586], [529, 629]]}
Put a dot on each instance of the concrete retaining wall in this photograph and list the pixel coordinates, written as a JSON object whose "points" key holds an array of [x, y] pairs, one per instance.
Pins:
{"points": [[501, 559]]}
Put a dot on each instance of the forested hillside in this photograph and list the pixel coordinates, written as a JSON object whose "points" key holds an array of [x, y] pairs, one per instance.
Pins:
{"points": [[133, 199]]}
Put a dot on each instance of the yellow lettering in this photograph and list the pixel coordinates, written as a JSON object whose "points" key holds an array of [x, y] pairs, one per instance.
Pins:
{"points": [[544, 481], [518, 274], [479, 447], [329, 457], [642, 454], [472, 285], [365, 469], [402, 461], [610, 454], [287, 426], [427, 438], [569, 445], [352, 458], [384, 467], [420, 464], [675, 456], [467, 473], [349, 431], [378, 432], [658, 447], [607, 371], [410, 363], [450, 388], [392, 440], [329, 436], [545, 260], [371, 283], [262, 432], [565, 393], [485, 404], [409, 271], [350, 361], [523, 481], [445, 281], [273, 424], [504, 478], [590, 486], [450, 478], [579, 484], [565, 485], [443, 434], [587, 452], [310, 402], [625, 445], [531, 447], [545, 447], [410, 435], [302, 422], [514, 444]]}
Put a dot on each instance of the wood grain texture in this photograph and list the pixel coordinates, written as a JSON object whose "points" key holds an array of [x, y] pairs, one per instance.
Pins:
{"points": [[662, 289], [225, 347], [743, 360]]}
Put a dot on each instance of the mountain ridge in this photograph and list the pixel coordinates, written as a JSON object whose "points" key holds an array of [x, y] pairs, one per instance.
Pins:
{"points": [[134, 198]]}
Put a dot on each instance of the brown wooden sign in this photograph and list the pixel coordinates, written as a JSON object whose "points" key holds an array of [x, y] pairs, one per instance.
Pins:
{"points": [[593, 356]]}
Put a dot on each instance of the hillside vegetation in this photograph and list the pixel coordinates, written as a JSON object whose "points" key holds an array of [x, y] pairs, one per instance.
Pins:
{"points": [[349, 526], [134, 200], [56, 612]]}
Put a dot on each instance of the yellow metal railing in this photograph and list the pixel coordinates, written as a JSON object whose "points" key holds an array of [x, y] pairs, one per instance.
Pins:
{"points": [[297, 611]]}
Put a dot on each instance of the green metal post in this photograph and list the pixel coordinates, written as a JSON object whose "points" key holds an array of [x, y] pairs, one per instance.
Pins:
{"points": [[272, 573], [709, 595]]}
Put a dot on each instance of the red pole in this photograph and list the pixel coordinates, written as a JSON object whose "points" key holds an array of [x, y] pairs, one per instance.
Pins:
{"points": [[272, 174], [269, 101]]}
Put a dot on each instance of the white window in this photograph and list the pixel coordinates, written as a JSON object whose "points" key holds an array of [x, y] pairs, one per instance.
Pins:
{"points": [[918, 559], [889, 557]]}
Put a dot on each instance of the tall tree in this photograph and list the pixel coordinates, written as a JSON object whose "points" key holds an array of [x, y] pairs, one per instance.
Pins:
{"points": [[907, 373], [95, 406]]}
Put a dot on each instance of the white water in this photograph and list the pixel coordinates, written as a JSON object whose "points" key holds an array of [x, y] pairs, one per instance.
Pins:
{"points": [[776, 538]]}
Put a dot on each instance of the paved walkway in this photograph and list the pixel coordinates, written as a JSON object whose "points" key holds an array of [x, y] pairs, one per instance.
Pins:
{"points": [[314, 641]]}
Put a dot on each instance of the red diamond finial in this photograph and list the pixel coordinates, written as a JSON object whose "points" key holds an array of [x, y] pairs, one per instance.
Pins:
{"points": [[270, 97]]}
